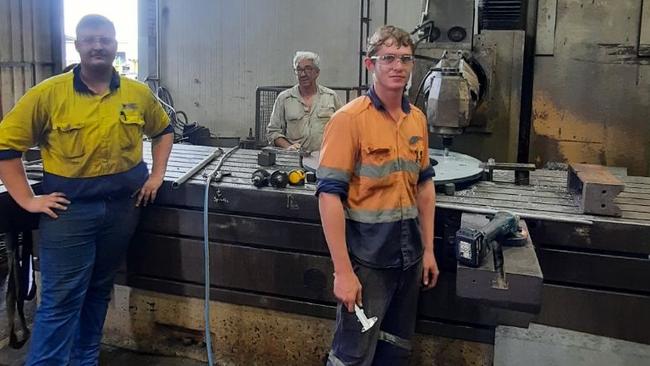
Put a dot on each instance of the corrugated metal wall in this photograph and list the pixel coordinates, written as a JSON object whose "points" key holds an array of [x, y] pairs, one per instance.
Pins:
{"points": [[214, 54], [592, 90], [29, 50]]}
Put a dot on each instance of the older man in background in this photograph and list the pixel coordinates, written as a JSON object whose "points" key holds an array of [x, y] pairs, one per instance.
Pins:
{"points": [[300, 114]]}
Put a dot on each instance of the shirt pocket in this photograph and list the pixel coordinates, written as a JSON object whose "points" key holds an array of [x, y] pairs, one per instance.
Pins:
{"points": [[294, 111], [66, 138], [325, 113], [130, 129]]}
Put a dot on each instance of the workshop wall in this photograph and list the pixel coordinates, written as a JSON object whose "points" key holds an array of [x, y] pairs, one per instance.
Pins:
{"points": [[30, 48], [592, 70], [592, 88], [213, 54]]}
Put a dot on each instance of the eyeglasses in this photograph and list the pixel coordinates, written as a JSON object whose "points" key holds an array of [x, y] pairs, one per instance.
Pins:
{"points": [[104, 41], [307, 70], [390, 58]]}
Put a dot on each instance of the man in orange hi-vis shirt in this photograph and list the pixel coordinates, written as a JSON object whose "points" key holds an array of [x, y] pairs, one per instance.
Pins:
{"points": [[376, 198]]}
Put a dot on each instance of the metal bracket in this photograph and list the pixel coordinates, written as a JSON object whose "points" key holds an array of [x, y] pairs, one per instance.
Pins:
{"points": [[595, 188]]}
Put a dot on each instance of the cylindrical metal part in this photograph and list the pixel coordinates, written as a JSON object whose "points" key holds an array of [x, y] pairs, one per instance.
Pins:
{"points": [[450, 189], [190, 173]]}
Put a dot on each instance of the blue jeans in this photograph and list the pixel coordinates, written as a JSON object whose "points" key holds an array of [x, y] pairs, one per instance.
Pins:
{"points": [[392, 296], [80, 253]]}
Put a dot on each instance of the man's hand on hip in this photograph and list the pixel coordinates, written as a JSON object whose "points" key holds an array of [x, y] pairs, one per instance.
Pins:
{"points": [[47, 203], [147, 194], [430, 270], [347, 289]]}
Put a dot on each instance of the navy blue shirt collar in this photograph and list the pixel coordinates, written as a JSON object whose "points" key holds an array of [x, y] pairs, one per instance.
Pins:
{"points": [[81, 87], [377, 103]]}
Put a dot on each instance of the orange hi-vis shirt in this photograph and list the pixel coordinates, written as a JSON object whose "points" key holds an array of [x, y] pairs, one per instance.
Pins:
{"points": [[375, 164]]}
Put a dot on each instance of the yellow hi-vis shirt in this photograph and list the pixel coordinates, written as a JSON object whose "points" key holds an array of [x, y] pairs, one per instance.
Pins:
{"points": [[83, 135]]}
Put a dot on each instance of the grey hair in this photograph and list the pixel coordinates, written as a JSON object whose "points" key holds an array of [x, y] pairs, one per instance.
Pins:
{"points": [[306, 55]]}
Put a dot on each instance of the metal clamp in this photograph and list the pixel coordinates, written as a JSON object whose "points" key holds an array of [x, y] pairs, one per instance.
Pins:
{"points": [[522, 170]]}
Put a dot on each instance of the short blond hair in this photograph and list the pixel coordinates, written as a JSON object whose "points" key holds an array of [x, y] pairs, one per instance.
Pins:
{"points": [[389, 32]]}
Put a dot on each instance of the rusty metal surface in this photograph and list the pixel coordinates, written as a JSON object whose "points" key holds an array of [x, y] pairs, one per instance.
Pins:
{"points": [[592, 98]]}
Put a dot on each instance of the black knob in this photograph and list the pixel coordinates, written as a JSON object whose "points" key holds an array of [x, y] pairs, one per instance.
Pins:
{"points": [[457, 34], [279, 179], [260, 178]]}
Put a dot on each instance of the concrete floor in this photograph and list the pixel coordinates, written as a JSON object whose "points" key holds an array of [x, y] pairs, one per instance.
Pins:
{"points": [[119, 357], [110, 356], [536, 346], [541, 345]]}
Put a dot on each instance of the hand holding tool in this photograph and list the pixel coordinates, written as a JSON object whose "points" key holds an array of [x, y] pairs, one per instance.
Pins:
{"points": [[366, 323]]}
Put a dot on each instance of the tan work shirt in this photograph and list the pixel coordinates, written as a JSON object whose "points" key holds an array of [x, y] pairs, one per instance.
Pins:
{"points": [[293, 120]]}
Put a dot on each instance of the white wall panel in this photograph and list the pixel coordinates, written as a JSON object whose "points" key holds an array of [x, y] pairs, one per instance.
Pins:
{"points": [[214, 53]]}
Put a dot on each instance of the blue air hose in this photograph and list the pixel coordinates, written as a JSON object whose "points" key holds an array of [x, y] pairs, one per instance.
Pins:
{"points": [[206, 267], [206, 252]]}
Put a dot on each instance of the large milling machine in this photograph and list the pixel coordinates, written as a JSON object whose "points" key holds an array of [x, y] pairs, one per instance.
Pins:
{"points": [[268, 250]]}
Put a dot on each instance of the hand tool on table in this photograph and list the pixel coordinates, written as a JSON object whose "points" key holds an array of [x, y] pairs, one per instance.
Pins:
{"points": [[260, 178], [473, 244], [296, 177], [279, 179]]}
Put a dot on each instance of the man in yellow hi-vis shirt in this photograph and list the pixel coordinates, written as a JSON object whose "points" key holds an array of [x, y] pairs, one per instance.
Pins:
{"points": [[89, 124]]}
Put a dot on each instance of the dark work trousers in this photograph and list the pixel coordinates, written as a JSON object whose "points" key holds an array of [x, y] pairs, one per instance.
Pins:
{"points": [[392, 296], [80, 253]]}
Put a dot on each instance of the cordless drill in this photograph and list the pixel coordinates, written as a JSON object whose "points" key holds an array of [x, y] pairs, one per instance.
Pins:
{"points": [[472, 245]]}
